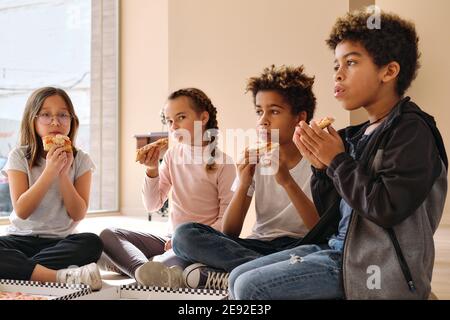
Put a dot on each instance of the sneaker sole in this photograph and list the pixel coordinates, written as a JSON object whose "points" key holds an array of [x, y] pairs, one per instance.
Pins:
{"points": [[154, 274]]}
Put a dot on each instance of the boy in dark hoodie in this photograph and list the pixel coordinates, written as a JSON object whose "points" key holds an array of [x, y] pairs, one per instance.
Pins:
{"points": [[380, 186]]}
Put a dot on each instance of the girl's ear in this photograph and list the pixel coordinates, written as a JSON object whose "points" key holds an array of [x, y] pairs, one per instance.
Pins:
{"points": [[204, 117]]}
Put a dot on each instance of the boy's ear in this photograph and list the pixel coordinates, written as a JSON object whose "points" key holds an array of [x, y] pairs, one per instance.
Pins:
{"points": [[302, 116], [390, 71]]}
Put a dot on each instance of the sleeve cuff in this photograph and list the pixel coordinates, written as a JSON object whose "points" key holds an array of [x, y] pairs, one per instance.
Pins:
{"points": [[319, 173], [150, 179], [336, 162]]}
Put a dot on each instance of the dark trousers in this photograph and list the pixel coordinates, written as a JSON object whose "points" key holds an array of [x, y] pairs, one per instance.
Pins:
{"points": [[19, 255], [128, 250]]}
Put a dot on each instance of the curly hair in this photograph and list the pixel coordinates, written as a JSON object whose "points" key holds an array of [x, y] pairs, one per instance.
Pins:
{"points": [[200, 103], [291, 83], [396, 40]]}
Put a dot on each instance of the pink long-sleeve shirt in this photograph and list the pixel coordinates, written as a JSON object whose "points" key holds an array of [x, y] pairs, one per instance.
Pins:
{"points": [[198, 195]]}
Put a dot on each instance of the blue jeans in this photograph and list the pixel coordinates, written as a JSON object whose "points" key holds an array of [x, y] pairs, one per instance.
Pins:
{"points": [[304, 272], [196, 242]]}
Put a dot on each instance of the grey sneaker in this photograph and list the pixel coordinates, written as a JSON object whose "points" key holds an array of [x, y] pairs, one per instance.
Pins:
{"points": [[88, 274], [156, 274], [200, 276]]}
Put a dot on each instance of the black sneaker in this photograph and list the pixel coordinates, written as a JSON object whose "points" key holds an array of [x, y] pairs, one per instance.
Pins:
{"points": [[200, 276]]}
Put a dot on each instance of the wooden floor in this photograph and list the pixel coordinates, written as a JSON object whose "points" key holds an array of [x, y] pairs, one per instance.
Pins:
{"points": [[441, 274]]}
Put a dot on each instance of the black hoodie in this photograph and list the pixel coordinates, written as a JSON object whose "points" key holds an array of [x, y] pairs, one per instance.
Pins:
{"points": [[397, 190]]}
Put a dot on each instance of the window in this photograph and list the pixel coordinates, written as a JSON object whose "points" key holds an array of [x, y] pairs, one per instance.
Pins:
{"points": [[71, 44]]}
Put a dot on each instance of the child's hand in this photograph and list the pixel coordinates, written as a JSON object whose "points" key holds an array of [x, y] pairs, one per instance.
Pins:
{"points": [[151, 161], [168, 245], [305, 151], [69, 160], [325, 146], [55, 160], [274, 163], [282, 176], [246, 168]]}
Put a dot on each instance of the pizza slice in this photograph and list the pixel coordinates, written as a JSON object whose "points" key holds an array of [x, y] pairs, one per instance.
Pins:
{"points": [[20, 296], [325, 122], [58, 140], [263, 147], [162, 143]]}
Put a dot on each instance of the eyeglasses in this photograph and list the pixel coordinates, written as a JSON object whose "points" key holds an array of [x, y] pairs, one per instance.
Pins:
{"points": [[47, 118]]}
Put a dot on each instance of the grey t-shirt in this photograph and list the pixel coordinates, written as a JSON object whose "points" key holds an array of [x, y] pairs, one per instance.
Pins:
{"points": [[276, 215], [50, 219]]}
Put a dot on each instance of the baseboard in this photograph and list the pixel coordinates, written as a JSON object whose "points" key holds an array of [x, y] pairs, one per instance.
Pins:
{"points": [[133, 212]]}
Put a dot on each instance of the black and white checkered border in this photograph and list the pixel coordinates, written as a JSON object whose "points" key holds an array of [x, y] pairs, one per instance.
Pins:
{"points": [[74, 295], [81, 289], [209, 292], [45, 284]]}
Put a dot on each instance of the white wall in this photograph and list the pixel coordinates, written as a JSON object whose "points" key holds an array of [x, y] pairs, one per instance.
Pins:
{"points": [[143, 87], [431, 89]]}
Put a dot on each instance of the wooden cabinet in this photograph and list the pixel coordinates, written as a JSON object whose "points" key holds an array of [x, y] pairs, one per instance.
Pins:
{"points": [[142, 140]]}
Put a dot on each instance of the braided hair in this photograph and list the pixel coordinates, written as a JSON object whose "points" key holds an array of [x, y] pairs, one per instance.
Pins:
{"points": [[201, 103]]}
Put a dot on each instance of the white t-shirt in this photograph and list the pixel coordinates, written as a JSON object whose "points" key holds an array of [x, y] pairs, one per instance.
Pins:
{"points": [[50, 219], [276, 216]]}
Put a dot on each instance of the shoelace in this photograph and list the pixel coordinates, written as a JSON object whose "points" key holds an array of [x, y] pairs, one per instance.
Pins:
{"points": [[217, 280]]}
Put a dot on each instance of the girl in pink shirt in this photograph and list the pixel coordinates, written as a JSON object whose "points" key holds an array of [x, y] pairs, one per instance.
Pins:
{"points": [[197, 173]]}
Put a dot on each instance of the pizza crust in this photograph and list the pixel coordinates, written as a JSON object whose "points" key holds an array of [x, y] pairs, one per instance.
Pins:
{"points": [[142, 152]]}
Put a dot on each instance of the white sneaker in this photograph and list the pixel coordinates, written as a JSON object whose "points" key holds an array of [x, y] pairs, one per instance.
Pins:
{"points": [[200, 276], [156, 274], [88, 275]]}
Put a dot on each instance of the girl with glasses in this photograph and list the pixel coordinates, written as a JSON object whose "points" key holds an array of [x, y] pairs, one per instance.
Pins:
{"points": [[50, 195]]}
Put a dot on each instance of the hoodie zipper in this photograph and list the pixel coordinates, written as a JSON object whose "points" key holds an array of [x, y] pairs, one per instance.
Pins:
{"points": [[350, 225], [401, 258], [398, 250], [379, 144]]}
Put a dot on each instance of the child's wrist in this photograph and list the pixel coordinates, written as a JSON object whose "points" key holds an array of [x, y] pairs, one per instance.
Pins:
{"points": [[244, 182], [49, 173], [289, 182], [63, 175], [243, 186], [152, 173]]}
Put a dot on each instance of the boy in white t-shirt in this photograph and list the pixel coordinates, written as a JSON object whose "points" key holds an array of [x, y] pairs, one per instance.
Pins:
{"points": [[284, 209]]}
